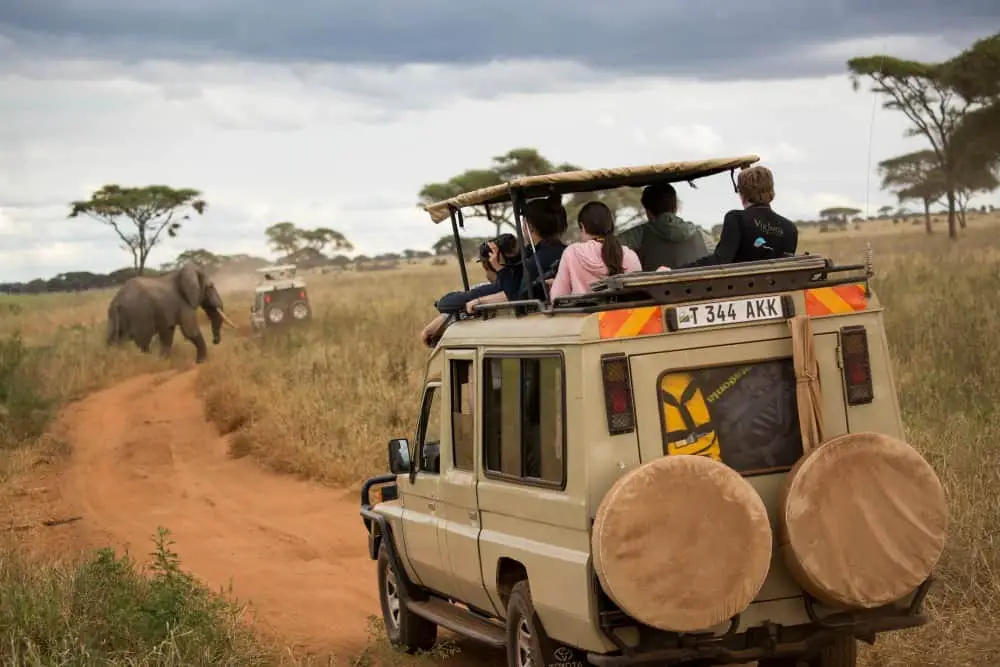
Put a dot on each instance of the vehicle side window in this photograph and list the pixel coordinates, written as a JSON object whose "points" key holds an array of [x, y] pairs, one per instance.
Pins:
{"points": [[429, 437], [463, 396], [524, 410]]}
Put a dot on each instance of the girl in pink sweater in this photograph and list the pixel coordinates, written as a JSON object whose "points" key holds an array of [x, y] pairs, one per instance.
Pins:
{"points": [[598, 255]]}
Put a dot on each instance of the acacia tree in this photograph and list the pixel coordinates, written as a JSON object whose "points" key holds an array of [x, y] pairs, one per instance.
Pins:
{"points": [[283, 237], [289, 240], [975, 75], [914, 176], [518, 163], [839, 213], [954, 105], [140, 215]]}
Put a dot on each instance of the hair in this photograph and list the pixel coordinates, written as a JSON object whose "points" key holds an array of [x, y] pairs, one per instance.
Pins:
{"points": [[546, 216], [659, 198], [597, 220], [756, 185]]}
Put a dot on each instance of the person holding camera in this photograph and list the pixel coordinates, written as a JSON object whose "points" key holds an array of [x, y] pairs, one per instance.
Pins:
{"points": [[598, 255], [544, 221], [453, 303]]}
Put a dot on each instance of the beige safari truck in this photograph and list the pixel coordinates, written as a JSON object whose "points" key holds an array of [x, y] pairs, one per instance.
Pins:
{"points": [[703, 466]]}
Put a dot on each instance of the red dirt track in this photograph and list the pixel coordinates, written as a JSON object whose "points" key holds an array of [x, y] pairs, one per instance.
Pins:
{"points": [[143, 456]]}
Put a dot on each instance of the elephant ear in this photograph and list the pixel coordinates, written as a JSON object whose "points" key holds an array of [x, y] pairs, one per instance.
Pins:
{"points": [[189, 284]]}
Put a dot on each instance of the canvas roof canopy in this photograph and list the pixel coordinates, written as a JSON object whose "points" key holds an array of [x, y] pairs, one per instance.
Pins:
{"points": [[589, 180]]}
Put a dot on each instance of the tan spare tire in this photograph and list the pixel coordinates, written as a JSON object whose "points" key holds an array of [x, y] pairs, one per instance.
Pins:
{"points": [[862, 521], [682, 543]]}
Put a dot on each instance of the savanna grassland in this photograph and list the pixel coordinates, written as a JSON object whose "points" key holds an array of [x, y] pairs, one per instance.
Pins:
{"points": [[322, 402]]}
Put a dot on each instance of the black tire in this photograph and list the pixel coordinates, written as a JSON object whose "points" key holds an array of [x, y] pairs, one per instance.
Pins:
{"points": [[524, 631], [404, 629], [843, 652]]}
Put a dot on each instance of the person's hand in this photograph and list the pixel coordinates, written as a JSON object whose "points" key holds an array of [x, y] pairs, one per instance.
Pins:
{"points": [[663, 268], [470, 305], [494, 256], [550, 281]]}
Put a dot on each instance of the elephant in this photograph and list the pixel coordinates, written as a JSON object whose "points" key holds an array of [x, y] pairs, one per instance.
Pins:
{"points": [[146, 306]]}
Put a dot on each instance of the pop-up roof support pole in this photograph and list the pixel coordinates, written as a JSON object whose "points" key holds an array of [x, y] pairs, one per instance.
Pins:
{"points": [[456, 220], [515, 199]]}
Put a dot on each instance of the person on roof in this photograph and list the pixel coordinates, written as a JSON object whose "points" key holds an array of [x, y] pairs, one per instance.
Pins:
{"points": [[754, 232], [544, 221], [454, 302], [665, 239], [599, 253]]}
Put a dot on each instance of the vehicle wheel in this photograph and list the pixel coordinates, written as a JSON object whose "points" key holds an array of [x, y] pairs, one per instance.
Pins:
{"points": [[404, 629], [524, 647], [841, 653], [300, 310], [275, 315]]}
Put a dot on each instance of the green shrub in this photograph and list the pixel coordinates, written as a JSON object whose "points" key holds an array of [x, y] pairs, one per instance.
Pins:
{"points": [[107, 611]]}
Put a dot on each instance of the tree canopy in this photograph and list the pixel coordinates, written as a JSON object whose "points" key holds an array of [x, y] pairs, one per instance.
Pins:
{"points": [[954, 106], [140, 215], [517, 163], [289, 240], [839, 212]]}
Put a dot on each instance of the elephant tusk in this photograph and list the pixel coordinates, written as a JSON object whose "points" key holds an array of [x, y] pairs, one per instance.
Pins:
{"points": [[226, 319]]}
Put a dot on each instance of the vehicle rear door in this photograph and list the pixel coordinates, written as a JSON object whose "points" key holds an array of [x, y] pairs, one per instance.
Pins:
{"points": [[730, 394]]}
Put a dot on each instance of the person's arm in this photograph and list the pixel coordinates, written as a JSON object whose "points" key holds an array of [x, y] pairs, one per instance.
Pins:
{"points": [[454, 302], [509, 280], [497, 297], [562, 286], [729, 243]]}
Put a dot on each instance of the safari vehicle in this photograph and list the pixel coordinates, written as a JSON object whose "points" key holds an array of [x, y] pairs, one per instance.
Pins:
{"points": [[701, 466], [280, 298]]}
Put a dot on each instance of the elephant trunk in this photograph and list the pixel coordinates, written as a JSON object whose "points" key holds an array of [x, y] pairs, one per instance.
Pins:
{"points": [[215, 318]]}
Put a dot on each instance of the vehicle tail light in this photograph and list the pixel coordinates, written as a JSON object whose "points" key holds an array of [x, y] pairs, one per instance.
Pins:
{"points": [[856, 365], [267, 298], [617, 393], [302, 295]]}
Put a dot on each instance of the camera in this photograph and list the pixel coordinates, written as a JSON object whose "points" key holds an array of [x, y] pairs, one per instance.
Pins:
{"points": [[507, 244]]}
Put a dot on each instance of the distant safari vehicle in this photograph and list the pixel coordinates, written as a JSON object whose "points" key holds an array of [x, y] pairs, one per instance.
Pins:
{"points": [[703, 466], [280, 298]]}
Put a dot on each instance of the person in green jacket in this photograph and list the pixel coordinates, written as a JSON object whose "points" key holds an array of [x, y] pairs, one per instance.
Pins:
{"points": [[665, 239]]}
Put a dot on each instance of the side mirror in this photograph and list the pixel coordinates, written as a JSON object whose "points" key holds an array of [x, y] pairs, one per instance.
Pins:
{"points": [[399, 456]]}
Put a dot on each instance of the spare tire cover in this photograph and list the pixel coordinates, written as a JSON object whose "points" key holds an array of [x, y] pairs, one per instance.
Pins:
{"points": [[862, 521], [682, 543]]}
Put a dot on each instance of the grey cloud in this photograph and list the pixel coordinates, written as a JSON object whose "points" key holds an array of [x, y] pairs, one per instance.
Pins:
{"points": [[713, 39]]}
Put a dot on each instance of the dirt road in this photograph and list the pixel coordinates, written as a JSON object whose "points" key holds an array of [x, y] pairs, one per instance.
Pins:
{"points": [[143, 456]]}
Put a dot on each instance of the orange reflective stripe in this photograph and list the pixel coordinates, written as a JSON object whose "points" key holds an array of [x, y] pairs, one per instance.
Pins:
{"points": [[836, 300], [630, 322]]}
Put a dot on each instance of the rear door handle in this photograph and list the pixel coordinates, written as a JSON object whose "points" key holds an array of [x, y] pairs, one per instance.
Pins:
{"points": [[474, 515], [431, 506]]}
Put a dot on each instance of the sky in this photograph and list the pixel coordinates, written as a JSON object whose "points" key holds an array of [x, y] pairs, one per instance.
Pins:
{"points": [[335, 113]]}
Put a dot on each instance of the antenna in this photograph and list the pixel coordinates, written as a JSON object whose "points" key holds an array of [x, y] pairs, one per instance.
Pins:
{"points": [[871, 132]]}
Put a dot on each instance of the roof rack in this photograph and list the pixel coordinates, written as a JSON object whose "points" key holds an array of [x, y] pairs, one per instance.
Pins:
{"points": [[629, 290], [659, 288]]}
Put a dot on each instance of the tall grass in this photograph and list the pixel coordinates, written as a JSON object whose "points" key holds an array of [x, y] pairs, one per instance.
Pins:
{"points": [[322, 401]]}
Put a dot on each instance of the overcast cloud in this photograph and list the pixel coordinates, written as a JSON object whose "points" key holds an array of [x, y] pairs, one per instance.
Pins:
{"points": [[336, 114]]}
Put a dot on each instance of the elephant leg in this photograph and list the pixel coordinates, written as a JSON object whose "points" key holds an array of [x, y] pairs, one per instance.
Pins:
{"points": [[166, 341], [189, 327], [143, 340]]}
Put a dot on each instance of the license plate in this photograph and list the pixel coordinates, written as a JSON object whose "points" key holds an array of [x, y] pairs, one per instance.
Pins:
{"points": [[736, 311]]}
